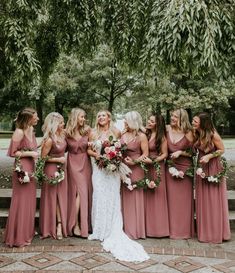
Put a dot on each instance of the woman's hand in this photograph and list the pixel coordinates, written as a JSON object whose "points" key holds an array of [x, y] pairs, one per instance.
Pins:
{"points": [[34, 154], [176, 154], [97, 156], [129, 161], [205, 159], [61, 159], [147, 160]]}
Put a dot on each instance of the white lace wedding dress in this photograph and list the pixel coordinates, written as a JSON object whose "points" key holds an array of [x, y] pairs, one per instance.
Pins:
{"points": [[106, 216]]}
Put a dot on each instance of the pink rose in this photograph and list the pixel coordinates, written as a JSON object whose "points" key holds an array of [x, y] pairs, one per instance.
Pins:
{"points": [[181, 174], [151, 185], [106, 150]]}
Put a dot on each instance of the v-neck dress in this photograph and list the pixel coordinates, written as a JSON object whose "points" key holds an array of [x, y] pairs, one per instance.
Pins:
{"points": [[133, 201], [53, 194], [79, 183], [211, 204], [20, 223], [180, 193], [156, 207]]}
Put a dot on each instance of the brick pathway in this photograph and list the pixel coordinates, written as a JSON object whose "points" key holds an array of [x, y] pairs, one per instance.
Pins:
{"points": [[80, 255]]}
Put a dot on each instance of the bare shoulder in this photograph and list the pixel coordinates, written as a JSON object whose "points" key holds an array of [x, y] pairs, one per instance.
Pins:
{"points": [[47, 142], [216, 136], [91, 134], [142, 136], [18, 135], [189, 135], [117, 132]]}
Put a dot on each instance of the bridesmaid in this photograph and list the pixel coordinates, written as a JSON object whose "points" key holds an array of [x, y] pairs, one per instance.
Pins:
{"points": [[180, 188], [20, 223], [156, 208], [79, 174], [53, 203], [133, 201], [211, 198]]}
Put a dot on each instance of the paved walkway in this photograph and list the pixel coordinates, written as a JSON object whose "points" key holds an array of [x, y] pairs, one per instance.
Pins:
{"points": [[80, 255]]}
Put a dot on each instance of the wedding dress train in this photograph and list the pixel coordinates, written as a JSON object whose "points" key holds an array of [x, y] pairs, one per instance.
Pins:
{"points": [[107, 223]]}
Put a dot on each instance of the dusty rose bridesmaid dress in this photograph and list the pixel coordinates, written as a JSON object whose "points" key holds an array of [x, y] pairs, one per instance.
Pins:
{"points": [[180, 194], [79, 182], [156, 209], [212, 205], [51, 194], [21, 220], [133, 201]]}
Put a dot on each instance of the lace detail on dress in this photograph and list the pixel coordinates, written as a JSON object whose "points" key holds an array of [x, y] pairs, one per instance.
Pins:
{"points": [[107, 221]]}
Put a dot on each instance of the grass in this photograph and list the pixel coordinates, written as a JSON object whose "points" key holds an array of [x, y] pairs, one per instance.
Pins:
{"points": [[229, 143]]}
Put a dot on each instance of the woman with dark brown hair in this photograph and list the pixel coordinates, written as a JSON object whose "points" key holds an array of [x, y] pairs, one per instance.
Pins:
{"points": [[156, 209], [20, 223], [211, 192]]}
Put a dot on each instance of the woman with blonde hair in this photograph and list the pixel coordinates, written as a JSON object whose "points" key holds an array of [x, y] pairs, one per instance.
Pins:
{"points": [[107, 223], [78, 174], [133, 201], [179, 183], [211, 192], [53, 203], [23, 147]]}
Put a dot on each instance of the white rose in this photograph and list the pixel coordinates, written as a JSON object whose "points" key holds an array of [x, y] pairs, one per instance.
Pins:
{"points": [[26, 178], [172, 170], [57, 174], [17, 169], [199, 171], [210, 178], [117, 144], [128, 181], [112, 149]]}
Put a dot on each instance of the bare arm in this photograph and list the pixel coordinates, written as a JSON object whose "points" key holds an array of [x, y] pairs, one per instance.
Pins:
{"points": [[220, 149], [164, 151]]}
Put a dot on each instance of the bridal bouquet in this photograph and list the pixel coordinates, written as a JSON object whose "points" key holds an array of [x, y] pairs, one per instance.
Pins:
{"points": [[111, 159]]}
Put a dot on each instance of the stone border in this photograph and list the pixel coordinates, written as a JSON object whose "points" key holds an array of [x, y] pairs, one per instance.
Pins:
{"points": [[207, 253]]}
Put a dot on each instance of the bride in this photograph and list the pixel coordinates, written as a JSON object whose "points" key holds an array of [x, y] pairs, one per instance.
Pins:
{"points": [[107, 223]]}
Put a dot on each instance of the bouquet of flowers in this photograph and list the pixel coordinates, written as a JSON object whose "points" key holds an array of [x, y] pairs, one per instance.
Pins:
{"points": [[111, 157], [42, 177], [23, 176], [217, 178]]}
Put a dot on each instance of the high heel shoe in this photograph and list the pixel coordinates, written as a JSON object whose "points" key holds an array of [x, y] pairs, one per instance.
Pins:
{"points": [[77, 231], [59, 231]]}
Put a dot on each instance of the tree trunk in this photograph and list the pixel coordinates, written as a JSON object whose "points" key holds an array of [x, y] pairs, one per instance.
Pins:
{"points": [[39, 108]]}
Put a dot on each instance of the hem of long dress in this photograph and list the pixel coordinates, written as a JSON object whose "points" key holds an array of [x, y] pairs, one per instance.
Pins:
{"points": [[213, 241], [181, 237], [152, 235], [18, 244]]}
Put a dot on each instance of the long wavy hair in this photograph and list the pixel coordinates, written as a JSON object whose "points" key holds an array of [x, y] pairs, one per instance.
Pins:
{"points": [[205, 134], [51, 124], [160, 131], [183, 123], [23, 117], [72, 124]]}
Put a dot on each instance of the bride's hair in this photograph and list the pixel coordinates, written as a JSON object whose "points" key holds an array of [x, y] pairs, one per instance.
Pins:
{"points": [[97, 125], [72, 124], [51, 124], [134, 121]]}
